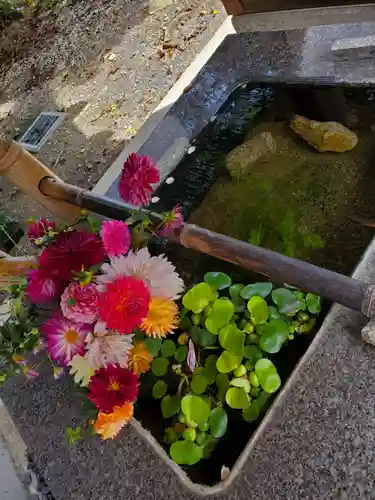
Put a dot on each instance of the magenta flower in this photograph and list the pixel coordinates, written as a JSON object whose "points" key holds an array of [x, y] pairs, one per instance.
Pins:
{"points": [[42, 287], [116, 238], [65, 338], [80, 303], [137, 177], [172, 221]]}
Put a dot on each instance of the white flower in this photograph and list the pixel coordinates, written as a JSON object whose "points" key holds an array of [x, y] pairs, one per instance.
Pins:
{"points": [[157, 273], [105, 347]]}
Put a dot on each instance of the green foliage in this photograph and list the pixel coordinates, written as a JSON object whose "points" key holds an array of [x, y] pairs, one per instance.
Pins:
{"points": [[218, 280], [74, 435], [243, 325], [153, 346]]}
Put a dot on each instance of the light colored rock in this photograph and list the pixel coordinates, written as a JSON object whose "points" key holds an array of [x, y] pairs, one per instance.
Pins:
{"points": [[324, 136], [243, 157]]}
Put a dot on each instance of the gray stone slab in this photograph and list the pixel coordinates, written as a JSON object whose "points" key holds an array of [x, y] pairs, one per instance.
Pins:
{"points": [[318, 440], [11, 487]]}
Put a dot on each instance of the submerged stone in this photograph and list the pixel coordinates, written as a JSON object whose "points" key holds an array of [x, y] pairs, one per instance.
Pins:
{"points": [[324, 136]]}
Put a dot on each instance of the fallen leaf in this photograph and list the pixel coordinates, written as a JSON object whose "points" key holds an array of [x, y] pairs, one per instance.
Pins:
{"points": [[81, 370], [215, 12]]}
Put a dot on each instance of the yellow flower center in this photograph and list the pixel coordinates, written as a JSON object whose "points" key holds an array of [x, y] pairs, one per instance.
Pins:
{"points": [[113, 385], [71, 337]]}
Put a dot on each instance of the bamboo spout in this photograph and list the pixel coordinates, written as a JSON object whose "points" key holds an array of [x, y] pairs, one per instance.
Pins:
{"points": [[25, 171], [16, 266], [335, 287]]}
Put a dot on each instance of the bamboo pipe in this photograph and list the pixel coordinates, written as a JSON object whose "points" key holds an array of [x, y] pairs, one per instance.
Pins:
{"points": [[25, 171], [335, 287], [16, 266]]}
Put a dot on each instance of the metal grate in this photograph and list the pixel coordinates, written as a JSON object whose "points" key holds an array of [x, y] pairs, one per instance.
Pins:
{"points": [[42, 128]]}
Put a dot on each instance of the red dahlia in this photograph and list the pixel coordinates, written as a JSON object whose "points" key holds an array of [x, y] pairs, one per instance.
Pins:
{"points": [[124, 304], [138, 175], [113, 386], [69, 252]]}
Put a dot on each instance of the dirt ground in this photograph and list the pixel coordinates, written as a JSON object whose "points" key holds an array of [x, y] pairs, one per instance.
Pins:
{"points": [[107, 64]]}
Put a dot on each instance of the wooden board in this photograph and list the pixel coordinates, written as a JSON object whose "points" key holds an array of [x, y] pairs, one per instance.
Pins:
{"points": [[236, 7]]}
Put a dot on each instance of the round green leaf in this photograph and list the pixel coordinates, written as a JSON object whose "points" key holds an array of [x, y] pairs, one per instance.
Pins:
{"points": [[267, 374], [198, 297], [159, 389], [195, 408], [259, 289], [274, 336], [199, 384], [181, 353], [232, 339], [153, 346], [313, 303], [235, 291], [241, 382], [222, 383], [274, 313], [185, 452], [209, 445], [168, 348], [287, 301], [257, 406], [258, 309], [237, 398], [170, 405], [218, 280], [253, 353], [227, 362], [210, 369], [222, 313], [218, 422], [159, 366], [202, 337]]}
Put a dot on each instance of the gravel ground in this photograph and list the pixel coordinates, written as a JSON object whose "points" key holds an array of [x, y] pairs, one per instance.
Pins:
{"points": [[107, 64]]}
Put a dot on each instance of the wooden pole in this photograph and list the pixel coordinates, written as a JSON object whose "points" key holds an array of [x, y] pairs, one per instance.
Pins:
{"points": [[24, 171], [233, 7], [335, 287], [16, 266]]}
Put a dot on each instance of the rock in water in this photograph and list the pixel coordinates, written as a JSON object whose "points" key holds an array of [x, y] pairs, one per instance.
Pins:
{"points": [[324, 136], [242, 158]]}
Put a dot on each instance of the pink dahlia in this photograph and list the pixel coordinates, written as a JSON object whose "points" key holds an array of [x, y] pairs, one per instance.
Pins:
{"points": [[41, 287], [138, 175], [124, 304], [80, 303], [172, 221], [116, 238], [65, 338], [70, 252], [40, 228]]}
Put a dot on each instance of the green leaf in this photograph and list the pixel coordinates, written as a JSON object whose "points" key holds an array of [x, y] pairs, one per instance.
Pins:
{"points": [[195, 408], [313, 303], [222, 383], [218, 280], [241, 382], [209, 445], [159, 366], [257, 406], [185, 452], [232, 339], [198, 297], [210, 369], [94, 223], [168, 348], [153, 346], [262, 289], [199, 384], [239, 303], [170, 405], [253, 353], [287, 302], [227, 362], [181, 353], [222, 313], [274, 336], [258, 309], [202, 337], [268, 377], [218, 422], [74, 434], [159, 389], [237, 398]]}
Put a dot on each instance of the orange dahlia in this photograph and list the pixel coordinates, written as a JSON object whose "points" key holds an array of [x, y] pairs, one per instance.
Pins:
{"points": [[139, 359], [162, 317], [108, 425]]}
